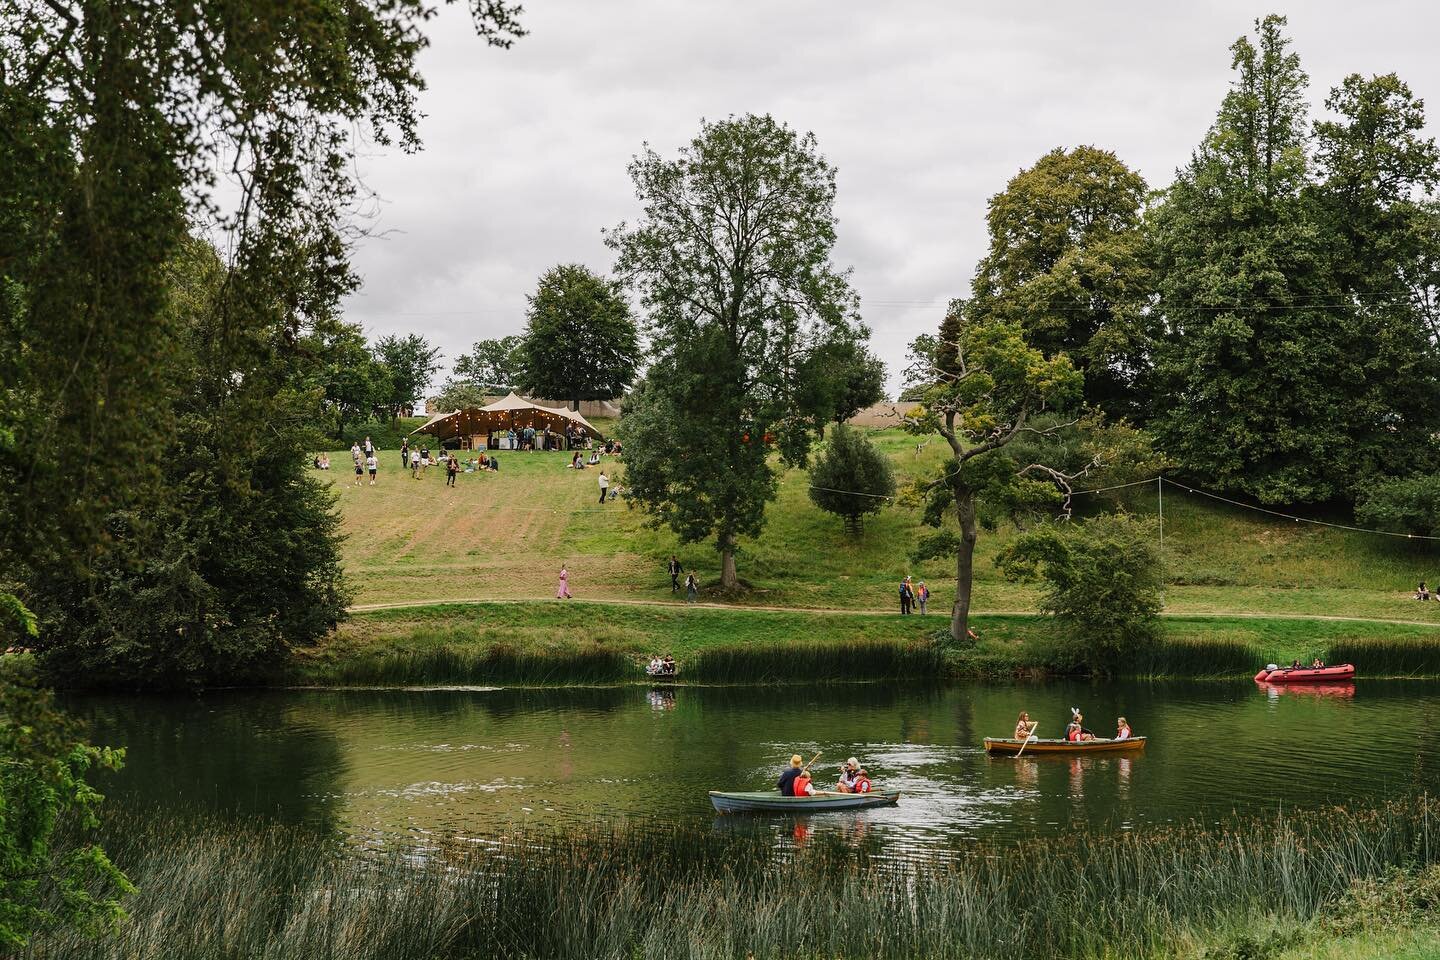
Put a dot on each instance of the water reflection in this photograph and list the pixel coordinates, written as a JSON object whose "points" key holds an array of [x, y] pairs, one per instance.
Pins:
{"points": [[471, 762]]}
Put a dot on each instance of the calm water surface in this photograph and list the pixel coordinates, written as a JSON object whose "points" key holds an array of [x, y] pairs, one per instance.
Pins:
{"points": [[377, 764]]}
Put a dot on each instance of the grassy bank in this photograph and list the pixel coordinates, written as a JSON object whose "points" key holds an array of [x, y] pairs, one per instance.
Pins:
{"points": [[1246, 889], [555, 642], [504, 536]]}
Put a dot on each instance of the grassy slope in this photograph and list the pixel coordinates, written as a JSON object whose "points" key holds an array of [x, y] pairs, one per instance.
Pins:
{"points": [[505, 535]]}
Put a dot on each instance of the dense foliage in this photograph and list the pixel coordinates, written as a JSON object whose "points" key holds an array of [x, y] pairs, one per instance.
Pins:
{"points": [[45, 883], [851, 478], [1067, 262], [153, 508], [1296, 283], [580, 341], [411, 362], [491, 366], [1103, 584], [752, 201], [1402, 505]]}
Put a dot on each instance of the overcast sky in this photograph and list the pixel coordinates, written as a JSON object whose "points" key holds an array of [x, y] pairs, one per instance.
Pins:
{"points": [[926, 108]]}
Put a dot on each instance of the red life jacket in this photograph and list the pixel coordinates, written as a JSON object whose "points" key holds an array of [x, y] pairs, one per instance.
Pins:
{"points": [[1074, 735], [862, 784], [798, 787]]}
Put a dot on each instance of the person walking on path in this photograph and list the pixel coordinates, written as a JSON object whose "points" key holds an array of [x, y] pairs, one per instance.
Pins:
{"points": [[922, 595], [604, 482], [907, 595], [692, 589], [452, 467], [674, 574], [562, 592], [404, 453], [359, 471], [415, 464], [369, 448], [373, 465]]}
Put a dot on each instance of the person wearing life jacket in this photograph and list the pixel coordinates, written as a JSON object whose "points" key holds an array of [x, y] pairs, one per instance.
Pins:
{"points": [[787, 779], [1122, 729], [848, 773], [1075, 731], [862, 782], [802, 787]]}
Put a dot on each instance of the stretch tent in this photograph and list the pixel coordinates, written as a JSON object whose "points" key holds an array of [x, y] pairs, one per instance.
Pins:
{"points": [[508, 413]]}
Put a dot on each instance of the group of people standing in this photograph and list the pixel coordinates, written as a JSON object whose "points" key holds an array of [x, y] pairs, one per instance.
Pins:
{"points": [[365, 459], [912, 596]]}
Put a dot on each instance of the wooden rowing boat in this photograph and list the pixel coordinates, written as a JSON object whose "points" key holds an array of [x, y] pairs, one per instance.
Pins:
{"points": [[770, 801], [1011, 747]]}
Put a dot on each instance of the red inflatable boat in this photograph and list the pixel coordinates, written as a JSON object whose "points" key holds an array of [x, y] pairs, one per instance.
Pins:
{"points": [[1345, 671]]}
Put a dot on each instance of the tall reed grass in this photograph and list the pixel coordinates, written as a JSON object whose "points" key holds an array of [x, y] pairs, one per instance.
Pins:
{"points": [[1214, 656], [456, 664], [1398, 656], [695, 892], [840, 660]]}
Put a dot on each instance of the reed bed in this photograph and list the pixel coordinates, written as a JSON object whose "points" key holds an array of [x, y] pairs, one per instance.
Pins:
{"points": [[456, 664], [689, 891], [1397, 656], [840, 660], [1215, 656]]}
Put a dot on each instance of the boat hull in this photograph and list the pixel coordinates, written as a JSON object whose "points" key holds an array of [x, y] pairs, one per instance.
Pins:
{"points": [[769, 801], [1010, 747], [1341, 673]]}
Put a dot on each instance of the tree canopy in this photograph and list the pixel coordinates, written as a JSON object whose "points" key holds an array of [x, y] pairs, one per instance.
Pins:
{"points": [[411, 362], [491, 365], [851, 478], [580, 341], [731, 262]]}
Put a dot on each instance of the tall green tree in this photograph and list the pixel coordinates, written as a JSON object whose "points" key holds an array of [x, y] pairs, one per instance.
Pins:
{"points": [[356, 386], [988, 387], [124, 400], [1295, 363], [731, 262], [491, 365], [411, 362], [580, 341], [851, 478], [1067, 262], [844, 377]]}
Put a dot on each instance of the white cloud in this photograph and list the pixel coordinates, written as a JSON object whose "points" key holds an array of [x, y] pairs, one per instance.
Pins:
{"points": [[926, 108]]}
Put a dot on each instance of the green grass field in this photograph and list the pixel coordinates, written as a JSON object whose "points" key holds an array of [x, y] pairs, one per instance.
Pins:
{"points": [[505, 535]]}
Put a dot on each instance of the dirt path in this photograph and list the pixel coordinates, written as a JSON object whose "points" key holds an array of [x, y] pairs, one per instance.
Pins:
{"points": [[860, 612]]}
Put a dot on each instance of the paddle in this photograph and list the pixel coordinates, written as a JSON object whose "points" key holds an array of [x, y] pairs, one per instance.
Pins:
{"points": [[812, 760], [1028, 738]]}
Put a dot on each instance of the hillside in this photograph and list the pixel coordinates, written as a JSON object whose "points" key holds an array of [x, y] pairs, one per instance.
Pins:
{"points": [[505, 535]]}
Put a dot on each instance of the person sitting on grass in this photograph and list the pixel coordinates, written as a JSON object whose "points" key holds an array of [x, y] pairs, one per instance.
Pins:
{"points": [[1422, 592]]}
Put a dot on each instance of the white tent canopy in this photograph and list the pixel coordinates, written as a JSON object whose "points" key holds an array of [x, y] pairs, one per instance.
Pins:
{"points": [[510, 412]]}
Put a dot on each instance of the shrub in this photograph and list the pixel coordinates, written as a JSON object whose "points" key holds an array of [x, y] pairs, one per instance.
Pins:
{"points": [[1103, 583], [851, 478], [1402, 505]]}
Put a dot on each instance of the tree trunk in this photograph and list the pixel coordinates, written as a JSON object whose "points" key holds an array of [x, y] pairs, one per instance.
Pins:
{"points": [[728, 579], [964, 570]]}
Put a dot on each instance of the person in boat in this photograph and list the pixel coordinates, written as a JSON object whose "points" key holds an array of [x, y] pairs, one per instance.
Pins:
{"points": [[862, 782], [1296, 665], [1122, 729], [1075, 731], [1024, 727], [1317, 664], [802, 787], [848, 775], [787, 779]]}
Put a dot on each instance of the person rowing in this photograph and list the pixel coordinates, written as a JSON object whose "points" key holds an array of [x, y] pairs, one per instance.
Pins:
{"points": [[1025, 727], [789, 785]]}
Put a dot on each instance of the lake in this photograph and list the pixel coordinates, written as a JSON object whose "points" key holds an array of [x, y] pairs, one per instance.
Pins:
{"points": [[376, 765]]}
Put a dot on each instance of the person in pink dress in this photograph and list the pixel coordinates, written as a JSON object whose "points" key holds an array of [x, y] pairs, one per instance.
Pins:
{"points": [[562, 592]]}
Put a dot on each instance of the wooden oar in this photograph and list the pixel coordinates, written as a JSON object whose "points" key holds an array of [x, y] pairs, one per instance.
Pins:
{"points": [[812, 760], [1028, 738]]}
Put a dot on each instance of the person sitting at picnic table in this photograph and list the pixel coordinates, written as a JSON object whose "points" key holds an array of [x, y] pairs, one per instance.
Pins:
{"points": [[1024, 727], [1122, 729]]}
